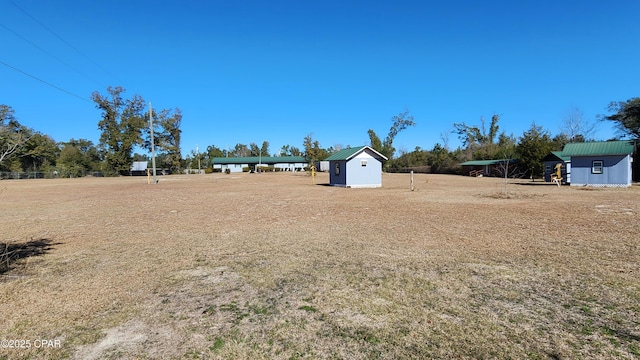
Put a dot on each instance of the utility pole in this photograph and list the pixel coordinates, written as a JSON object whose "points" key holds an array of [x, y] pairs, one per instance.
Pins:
{"points": [[153, 151], [198, 152]]}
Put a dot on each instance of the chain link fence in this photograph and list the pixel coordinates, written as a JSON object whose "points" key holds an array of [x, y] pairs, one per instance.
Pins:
{"points": [[6, 175]]}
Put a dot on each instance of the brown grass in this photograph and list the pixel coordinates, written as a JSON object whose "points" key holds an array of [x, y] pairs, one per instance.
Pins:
{"points": [[270, 266]]}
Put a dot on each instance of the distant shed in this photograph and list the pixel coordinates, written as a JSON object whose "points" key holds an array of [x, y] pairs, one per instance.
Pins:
{"points": [[322, 166], [139, 168], [357, 167]]}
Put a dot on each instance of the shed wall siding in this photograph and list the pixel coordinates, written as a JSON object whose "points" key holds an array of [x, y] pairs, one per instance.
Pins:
{"points": [[616, 171], [364, 176]]}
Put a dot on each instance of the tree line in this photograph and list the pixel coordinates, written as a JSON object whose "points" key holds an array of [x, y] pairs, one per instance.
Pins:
{"points": [[124, 128]]}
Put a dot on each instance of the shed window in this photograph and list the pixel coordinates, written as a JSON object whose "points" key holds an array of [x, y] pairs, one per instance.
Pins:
{"points": [[363, 162], [337, 168], [597, 167]]}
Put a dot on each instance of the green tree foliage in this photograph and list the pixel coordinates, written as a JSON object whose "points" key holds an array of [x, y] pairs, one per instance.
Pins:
{"points": [[240, 150], [13, 135], [626, 115], [375, 142], [533, 145], [167, 135], [70, 162], [212, 152], [121, 127], [77, 157], [439, 159], [288, 150], [312, 150], [559, 141], [255, 150], [406, 161], [479, 143], [264, 149], [400, 122], [39, 153], [436, 160], [470, 135], [506, 146], [196, 160]]}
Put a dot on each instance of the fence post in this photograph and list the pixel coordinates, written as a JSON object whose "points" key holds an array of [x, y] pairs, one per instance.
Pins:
{"points": [[411, 180]]}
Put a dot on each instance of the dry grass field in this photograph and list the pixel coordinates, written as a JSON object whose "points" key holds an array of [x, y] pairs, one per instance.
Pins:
{"points": [[269, 266]]}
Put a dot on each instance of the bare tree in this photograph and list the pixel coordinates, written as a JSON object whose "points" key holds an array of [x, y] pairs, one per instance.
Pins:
{"points": [[575, 127], [444, 136]]}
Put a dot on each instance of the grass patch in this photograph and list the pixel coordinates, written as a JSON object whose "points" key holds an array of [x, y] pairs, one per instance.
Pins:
{"points": [[218, 344], [274, 267], [308, 308]]}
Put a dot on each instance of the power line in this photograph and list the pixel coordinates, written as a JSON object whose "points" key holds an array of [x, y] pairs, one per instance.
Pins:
{"points": [[44, 82], [50, 54], [64, 41]]}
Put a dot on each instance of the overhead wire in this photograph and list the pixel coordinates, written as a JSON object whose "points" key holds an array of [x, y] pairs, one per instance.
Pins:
{"points": [[64, 41], [53, 56], [50, 54], [44, 82]]}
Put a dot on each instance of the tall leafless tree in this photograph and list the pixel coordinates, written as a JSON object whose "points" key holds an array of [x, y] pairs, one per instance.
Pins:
{"points": [[575, 127]]}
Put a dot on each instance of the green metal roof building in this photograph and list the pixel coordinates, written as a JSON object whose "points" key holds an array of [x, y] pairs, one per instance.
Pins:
{"points": [[601, 163], [356, 167], [237, 164], [485, 167], [620, 147]]}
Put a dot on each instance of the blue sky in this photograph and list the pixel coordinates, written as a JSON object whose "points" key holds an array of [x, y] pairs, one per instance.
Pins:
{"points": [[249, 71]]}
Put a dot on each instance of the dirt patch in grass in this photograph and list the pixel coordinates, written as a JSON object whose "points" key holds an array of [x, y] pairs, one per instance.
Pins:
{"points": [[271, 266]]}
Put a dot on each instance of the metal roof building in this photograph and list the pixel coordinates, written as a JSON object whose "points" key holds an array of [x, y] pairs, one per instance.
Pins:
{"points": [[486, 167], [620, 147], [601, 163], [237, 164], [359, 167]]}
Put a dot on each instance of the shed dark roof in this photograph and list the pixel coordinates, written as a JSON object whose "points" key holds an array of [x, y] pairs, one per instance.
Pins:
{"points": [[348, 153], [557, 155], [621, 147]]}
